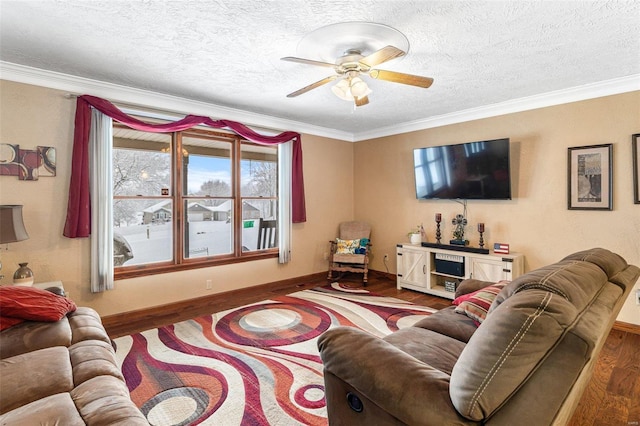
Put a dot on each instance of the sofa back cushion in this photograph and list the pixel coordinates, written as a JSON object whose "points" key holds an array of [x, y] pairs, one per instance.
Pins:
{"points": [[512, 341], [530, 319], [577, 277]]}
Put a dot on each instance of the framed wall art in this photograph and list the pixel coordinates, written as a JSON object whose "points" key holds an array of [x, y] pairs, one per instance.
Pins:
{"points": [[635, 157], [27, 164], [591, 177]]}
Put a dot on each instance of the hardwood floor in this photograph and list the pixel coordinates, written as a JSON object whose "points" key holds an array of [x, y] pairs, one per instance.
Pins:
{"points": [[612, 398]]}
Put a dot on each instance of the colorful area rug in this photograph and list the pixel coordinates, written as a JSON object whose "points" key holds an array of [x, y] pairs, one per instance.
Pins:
{"points": [[253, 365]]}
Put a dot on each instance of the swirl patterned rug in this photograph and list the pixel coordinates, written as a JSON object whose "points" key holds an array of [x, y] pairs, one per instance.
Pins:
{"points": [[253, 365]]}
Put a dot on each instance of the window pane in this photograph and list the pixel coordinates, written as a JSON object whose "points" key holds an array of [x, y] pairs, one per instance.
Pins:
{"points": [[142, 231], [208, 228], [206, 167], [259, 169], [259, 224], [141, 162]]}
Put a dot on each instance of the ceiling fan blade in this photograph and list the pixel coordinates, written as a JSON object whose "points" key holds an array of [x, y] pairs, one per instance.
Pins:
{"points": [[308, 61], [398, 77], [312, 86], [383, 55], [362, 101]]}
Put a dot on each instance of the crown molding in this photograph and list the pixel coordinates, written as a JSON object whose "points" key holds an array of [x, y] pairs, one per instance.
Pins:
{"points": [[132, 97], [573, 94]]}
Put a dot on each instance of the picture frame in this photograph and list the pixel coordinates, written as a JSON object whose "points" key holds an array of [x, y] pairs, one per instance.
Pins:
{"points": [[590, 177], [635, 158]]}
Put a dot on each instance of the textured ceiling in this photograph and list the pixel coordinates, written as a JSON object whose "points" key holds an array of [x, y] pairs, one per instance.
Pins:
{"points": [[228, 53]]}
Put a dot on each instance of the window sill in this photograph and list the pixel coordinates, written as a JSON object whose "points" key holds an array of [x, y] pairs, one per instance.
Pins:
{"points": [[146, 270]]}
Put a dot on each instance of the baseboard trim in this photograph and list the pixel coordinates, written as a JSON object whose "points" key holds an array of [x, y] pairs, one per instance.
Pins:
{"points": [[182, 310], [626, 327]]}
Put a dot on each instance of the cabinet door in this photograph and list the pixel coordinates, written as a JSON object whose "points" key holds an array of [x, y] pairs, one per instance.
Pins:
{"points": [[487, 269], [413, 268]]}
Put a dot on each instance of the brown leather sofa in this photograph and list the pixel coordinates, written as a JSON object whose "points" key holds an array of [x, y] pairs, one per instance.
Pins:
{"points": [[63, 373], [528, 362]]}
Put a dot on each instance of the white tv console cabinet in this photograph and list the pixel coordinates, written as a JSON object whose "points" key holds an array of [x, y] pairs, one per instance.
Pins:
{"points": [[430, 269]]}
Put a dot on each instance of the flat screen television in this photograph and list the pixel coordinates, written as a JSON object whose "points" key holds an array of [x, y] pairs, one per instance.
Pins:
{"points": [[467, 171]]}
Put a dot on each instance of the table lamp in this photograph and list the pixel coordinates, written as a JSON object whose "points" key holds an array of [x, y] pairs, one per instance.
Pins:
{"points": [[11, 226]]}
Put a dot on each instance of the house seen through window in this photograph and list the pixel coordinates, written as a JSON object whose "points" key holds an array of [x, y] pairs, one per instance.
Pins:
{"points": [[191, 197]]}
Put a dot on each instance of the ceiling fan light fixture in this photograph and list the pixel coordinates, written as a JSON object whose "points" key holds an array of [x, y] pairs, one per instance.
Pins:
{"points": [[359, 88], [342, 90]]}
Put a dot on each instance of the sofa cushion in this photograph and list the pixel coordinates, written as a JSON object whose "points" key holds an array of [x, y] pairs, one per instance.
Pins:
{"points": [[610, 263], [57, 409], [437, 350], [448, 323], [34, 375], [513, 340], [33, 335], [82, 324], [93, 358], [576, 280], [85, 324], [33, 304], [105, 400]]}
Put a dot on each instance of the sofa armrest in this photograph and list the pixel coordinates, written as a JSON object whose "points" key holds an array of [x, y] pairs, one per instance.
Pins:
{"points": [[401, 385], [470, 285]]}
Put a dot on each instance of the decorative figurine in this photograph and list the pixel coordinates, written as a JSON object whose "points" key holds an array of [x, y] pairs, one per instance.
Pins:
{"points": [[481, 231], [458, 233], [438, 220]]}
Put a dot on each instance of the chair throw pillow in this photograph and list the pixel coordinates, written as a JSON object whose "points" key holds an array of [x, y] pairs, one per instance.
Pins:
{"points": [[347, 246], [362, 248], [475, 305], [33, 304]]}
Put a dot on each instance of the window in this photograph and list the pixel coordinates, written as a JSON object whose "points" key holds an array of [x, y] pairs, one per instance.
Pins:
{"points": [[190, 199]]}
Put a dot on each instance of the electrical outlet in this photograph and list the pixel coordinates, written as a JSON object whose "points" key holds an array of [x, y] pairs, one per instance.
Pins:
{"points": [[207, 285], [386, 257], [638, 296]]}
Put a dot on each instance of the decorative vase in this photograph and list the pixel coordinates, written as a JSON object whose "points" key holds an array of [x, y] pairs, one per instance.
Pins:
{"points": [[415, 239], [23, 276]]}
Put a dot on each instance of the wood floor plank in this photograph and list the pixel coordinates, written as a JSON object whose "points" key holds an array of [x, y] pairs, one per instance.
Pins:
{"points": [[634, 410], [612, 409], [629, 358]]}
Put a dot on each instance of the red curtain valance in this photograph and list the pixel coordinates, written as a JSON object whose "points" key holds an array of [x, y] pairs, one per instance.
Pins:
{"points": [[78, 223]]}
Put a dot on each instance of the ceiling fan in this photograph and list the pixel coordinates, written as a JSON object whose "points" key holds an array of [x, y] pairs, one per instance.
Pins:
{"points": [[351, 66]]}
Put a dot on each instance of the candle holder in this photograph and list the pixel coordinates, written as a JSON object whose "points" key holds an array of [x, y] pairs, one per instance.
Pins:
{"points": [[481, 231], [438, 220]]}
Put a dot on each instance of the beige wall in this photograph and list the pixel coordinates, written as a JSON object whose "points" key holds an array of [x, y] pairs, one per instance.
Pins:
{"points": [[536, 222], [31, 116], [371, 180]]}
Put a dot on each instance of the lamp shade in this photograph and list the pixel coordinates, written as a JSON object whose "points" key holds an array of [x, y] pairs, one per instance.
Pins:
{"points": [[341, 90], [11, 224], [359, 88]]}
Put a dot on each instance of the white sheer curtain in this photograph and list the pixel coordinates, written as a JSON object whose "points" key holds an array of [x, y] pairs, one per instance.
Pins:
{"points": [[285, 152], [100, 182]]}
